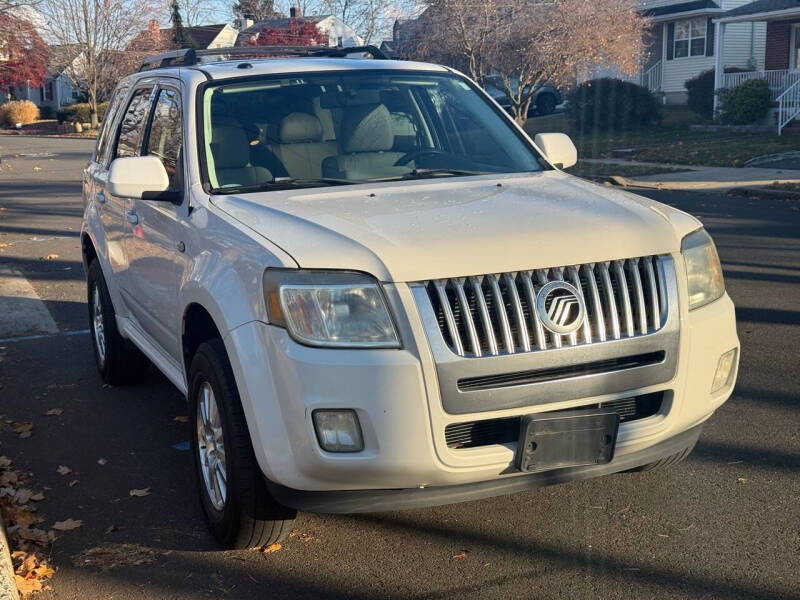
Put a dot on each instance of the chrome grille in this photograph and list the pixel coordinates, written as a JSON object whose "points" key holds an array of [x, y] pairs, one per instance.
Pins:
{"points": [[490, 315]]}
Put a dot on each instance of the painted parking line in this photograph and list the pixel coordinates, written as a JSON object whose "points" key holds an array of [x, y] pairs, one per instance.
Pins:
{"points": [[44, 336], [22, 312]]}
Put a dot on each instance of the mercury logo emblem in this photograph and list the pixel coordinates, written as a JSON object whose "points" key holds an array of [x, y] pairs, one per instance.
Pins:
{"points": [[560, 307]]}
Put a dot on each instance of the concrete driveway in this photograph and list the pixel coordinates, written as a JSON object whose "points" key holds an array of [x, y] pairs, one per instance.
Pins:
{"points": [[724, 524]]}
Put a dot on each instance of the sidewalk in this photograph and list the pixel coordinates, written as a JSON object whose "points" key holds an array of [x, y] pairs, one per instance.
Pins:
{"points": [[694, 178]]}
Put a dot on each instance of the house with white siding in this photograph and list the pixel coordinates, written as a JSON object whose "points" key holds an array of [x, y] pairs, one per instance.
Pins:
{"points": [[682, 42]]}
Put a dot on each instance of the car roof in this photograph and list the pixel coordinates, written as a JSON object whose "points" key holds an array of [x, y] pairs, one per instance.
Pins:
{"points": [[230, 69]]}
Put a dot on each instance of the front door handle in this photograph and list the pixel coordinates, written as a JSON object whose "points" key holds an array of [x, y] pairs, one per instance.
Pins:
{"points": [[132, 217], [100, 197]]}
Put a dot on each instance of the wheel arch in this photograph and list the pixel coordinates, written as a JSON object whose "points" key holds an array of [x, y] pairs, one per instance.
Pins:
{"points": [[197, 327]]}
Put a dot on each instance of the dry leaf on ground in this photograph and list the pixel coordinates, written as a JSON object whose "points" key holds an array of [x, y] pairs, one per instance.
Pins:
{"points": [[272, 548], [460, 555], [37, 497], [54, 412], [63, 470], [74, 482], [51, 256], [101, 461], [140, 493], [23, 427], [67, 525], [111, 556], [181, 419]]}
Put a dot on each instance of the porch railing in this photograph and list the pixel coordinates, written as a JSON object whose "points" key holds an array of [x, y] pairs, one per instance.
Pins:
{"points": [[788, 106], [651, 79], [778, 81]]}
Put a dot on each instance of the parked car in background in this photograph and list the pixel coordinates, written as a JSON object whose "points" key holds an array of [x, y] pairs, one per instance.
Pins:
{"points": [[545, 97], [377, 292]]}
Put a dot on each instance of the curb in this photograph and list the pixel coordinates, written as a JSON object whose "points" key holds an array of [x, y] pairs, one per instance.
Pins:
{"points": [[8, 586], [765, 193]]}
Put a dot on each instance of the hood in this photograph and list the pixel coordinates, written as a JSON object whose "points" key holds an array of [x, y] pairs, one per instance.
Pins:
{"points": [[427, 229]]}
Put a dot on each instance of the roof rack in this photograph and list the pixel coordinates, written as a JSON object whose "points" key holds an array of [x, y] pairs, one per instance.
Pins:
{"points": [[189, 56]]}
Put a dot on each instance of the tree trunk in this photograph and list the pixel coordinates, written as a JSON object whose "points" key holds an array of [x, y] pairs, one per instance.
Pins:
{"points": [[93, 109]]}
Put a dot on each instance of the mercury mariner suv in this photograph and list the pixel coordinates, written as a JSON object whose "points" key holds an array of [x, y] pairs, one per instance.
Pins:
{"points": [[377, 292]]}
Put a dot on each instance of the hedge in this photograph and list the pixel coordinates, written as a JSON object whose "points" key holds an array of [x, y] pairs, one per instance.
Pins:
{"points": [[747, 103], [611, 105], [79, 113]]}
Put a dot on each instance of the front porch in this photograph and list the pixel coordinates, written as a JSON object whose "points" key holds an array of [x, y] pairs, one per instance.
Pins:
{"points": [[781, 56]]}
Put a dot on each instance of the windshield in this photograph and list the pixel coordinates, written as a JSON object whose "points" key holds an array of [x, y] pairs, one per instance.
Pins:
{"points": [[334, 129]]}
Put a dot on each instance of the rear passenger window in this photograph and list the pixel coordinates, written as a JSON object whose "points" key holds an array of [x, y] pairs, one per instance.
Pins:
{"points": [[130, 131], [166, 134]]}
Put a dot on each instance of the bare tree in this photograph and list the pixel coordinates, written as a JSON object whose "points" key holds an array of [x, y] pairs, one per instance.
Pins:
{"points": [[371, 19], [16, 5], [101, 30], [528, 43]]}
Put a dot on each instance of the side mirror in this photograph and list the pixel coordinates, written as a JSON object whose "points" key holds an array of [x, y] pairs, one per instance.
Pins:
{"points": [[558, 149], [139, 177]]}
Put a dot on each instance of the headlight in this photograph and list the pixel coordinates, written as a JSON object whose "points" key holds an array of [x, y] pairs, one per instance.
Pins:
{"points": [[702, 269], [330, 308]]}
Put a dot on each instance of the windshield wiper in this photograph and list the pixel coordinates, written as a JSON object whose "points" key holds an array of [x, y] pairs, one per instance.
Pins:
{"points": [[283, 183], [432, 172]]}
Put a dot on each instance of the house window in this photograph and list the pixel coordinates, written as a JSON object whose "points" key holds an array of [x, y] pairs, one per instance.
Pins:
{"points": [[690, 38]]}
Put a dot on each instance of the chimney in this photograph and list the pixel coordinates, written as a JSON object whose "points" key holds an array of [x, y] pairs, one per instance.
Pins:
{"points": [[295, 12]]}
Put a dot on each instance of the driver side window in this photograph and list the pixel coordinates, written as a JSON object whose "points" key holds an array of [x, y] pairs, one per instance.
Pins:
{"points": [[165, 139]]}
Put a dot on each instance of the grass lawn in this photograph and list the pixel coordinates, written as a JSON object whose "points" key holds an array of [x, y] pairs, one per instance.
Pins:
{"points": [[672, 142]]}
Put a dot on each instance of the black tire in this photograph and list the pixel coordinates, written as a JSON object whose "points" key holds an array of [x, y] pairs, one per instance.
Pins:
{"points": [[667, 461], [119, 361], [249, 517], [545, 104]]}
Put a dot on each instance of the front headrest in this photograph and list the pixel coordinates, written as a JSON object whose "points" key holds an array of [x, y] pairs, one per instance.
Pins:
{"points": [[230, 146], [367, 129], [300, 127]]}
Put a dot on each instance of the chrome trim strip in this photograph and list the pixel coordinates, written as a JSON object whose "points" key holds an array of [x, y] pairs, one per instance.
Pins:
{"points": [[622, 282], [500, 309], [610, 300], [653, 293], [485, 318], [522, 328], [587, 320], [474, 342], [641, 311], [530, 297], [596, 304], [448, 317]]}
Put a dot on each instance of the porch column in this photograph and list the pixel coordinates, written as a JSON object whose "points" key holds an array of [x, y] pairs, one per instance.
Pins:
{"points": [[719, 64]]}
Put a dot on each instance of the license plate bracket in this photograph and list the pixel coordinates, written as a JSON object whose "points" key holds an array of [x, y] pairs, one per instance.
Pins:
{"points": [[557, 440]]}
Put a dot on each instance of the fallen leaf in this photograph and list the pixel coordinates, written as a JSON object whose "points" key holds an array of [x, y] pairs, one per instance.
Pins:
{"points": [[272, 548], [67, 525], [23, 427], [51, 256], [54, 412], [101, 461], [460, 555], [37, 497], [22, 517], [62, 470], [742, 480], [140, 493], [181, 419], [25, 434], [37, 168], [26, 587], [38, 536], [74, 482], [23, 495], [5, 462], [112, 529]]}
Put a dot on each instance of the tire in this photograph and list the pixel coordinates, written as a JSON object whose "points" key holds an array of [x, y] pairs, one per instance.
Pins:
{"points": [[667, 461], [545, 104], [118, 360], [244, 515]]}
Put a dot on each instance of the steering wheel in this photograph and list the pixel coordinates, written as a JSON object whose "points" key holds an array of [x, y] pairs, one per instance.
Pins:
{"points": [[415, 154]]}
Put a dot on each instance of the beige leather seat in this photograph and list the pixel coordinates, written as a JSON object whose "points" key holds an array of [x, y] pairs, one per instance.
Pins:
{"points": [[367, 139], [230, 148], [301, 148]]}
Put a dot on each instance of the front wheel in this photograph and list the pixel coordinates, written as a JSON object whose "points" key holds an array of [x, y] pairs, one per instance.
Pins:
{"points": [[234, 497]]}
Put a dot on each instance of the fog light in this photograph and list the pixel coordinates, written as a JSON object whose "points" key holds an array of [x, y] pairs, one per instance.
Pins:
{"points": [[724, 370], [338, 430]]}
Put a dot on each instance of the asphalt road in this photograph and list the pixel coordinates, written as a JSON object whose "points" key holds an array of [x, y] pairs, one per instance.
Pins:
{"points": [[724, 524]]}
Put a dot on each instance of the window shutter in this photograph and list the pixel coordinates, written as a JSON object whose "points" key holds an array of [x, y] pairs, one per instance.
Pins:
{"points": [[710, 38], [670, 41]]}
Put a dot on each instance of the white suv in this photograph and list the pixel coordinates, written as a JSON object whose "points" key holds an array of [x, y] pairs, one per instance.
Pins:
{"points": [[377, 292]]}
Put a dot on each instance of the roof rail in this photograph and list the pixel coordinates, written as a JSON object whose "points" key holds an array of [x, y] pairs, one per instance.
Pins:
{"points": [[190, 56]]}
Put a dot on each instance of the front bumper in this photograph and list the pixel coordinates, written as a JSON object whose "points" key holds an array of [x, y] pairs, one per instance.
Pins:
{"points": [[365, 501], [396, 396]]}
